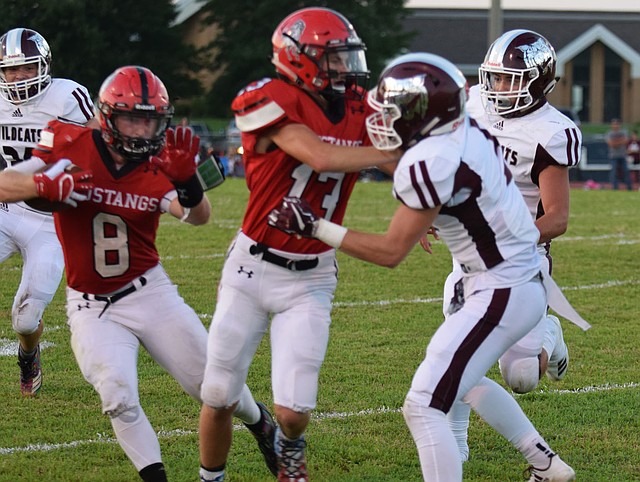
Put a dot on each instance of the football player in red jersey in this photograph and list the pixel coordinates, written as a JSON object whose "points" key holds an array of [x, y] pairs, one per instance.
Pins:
{"points": [[119, 296], [303, 133]]}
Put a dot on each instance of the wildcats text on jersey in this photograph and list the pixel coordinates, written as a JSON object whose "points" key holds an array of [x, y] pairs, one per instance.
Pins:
{"points": [[19, 134]]}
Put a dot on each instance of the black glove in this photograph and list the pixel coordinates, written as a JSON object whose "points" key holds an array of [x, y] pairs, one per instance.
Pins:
{"points": [[295, 216]]}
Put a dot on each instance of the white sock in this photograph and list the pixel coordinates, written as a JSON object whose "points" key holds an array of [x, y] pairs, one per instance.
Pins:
{"points": [[437, 448], [500, 410], [550, 337], [137, 438], [458, 418], [209, 476], [247, 410]]}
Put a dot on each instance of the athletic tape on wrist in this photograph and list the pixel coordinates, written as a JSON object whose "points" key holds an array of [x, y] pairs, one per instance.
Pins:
{"points": [[190, 192], [330, 233]]}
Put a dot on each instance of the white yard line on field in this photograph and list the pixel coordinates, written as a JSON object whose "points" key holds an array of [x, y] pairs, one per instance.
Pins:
{"points": [[351, 304], [103, 438]]}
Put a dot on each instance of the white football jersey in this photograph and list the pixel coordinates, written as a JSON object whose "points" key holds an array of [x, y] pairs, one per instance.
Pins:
{"points": [[530, 144], [483, 220], [20, 124]]}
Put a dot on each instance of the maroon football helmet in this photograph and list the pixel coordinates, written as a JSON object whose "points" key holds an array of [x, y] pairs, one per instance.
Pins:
{"points": [[417, 95], [518, 72], [134, 91], [319, 49], [21, 46]]}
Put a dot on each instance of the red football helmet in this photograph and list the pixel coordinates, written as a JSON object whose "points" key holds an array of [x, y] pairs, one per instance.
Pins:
{"points": [[21, 46], [318, 49], [417, 95], [527, 62], [135, 92]]}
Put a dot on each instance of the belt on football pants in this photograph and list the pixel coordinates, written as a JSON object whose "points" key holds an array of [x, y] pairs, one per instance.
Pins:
{"points": [[118, 295], [290, 264]]}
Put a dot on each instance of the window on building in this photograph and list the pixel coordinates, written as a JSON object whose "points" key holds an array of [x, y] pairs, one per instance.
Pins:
{"points": [[612, 85], [581, 81]]}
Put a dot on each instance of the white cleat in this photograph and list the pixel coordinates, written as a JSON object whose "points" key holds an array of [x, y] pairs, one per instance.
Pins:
{"points": [[556, 471], [559, 359]]}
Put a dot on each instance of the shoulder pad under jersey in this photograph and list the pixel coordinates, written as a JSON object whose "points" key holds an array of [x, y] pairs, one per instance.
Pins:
{"points": [[58, 133], [264, 103]]}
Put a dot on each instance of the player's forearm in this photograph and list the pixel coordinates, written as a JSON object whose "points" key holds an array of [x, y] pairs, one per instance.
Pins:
{"points": [[373, 248], [351, 159], [200, 214], [16, 186], [551, 226], [303, 144]]}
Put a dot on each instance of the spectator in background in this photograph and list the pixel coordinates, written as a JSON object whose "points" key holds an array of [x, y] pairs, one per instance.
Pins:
{"points": [[617, 140], [633, 155]]}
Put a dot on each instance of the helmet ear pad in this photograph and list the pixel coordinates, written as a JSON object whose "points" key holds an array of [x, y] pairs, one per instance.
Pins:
{"points": [[299, 67]]}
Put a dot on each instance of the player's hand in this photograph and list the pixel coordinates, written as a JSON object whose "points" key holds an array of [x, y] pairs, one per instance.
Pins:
{"points": [[295, 216], [56, 183], [178, 158], [424, 240]]}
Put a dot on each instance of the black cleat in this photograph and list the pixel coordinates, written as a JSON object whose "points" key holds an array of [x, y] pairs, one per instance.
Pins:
{"points": [[264, 432]]}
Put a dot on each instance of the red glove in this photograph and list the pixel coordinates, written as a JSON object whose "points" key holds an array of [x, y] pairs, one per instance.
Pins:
{"points": [[178, 158], [63, 182]]}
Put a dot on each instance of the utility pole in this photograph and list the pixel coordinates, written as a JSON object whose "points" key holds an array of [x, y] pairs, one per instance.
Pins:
{"points": [[495, 22]]}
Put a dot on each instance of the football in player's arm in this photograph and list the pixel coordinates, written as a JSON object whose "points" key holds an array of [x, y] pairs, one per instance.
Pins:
{"points": [[119, 180]]}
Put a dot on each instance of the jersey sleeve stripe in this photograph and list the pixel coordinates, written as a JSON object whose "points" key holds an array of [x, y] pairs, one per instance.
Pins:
{"points": [[261, 117], [84, 103], [426, 183], [417, 187], [573, 147]]}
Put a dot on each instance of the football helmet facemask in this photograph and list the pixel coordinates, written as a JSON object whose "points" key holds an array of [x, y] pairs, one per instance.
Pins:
{"points": [[22, 46], [523, 63], [134, 91], [417, 95], [318, 49]]}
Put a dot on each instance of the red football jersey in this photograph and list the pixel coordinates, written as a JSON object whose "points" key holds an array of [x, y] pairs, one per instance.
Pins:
{"points": [[274, 175], [108, 240]]}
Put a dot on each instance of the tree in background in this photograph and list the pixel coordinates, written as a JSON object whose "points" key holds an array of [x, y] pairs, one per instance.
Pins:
{"points": [[90, 39], [243, 47]]}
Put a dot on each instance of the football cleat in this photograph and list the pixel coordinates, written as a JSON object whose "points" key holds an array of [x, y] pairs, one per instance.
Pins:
{"points": [[30, 374], [265, 435], [292, 463], [559, 358], [556, 471]]}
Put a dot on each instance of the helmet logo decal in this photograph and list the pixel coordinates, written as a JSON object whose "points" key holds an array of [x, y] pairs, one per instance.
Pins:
{"points": [[38, 40], [292, 36], [535, 54], [410, 94]]}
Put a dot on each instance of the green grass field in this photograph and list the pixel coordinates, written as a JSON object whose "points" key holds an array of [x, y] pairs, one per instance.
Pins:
{"points": [[382, 322]]}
